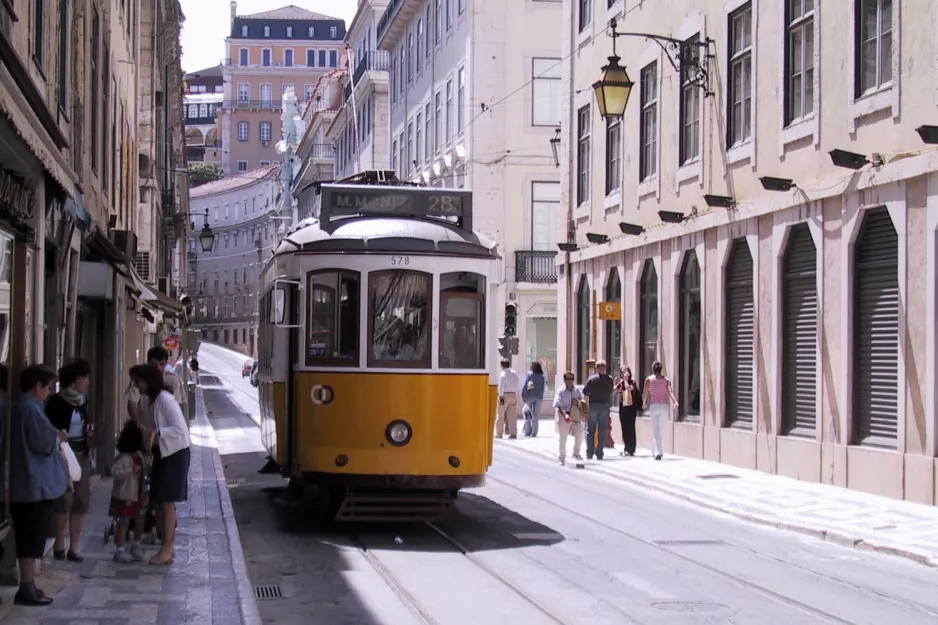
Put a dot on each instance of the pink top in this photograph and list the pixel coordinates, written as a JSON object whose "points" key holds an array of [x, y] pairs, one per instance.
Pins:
{"points": [[658, 389]]}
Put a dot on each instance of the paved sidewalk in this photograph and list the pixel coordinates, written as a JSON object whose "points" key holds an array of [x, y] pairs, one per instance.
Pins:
{"points": [[207, 583], [843, 516]]}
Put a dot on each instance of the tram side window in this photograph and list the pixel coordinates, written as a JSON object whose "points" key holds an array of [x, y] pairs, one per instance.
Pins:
{"points": [[462, 321], [399, 319], [332, 318]]}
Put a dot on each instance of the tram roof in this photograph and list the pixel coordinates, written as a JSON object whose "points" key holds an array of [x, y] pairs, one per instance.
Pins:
{"points": [[368, 233]]}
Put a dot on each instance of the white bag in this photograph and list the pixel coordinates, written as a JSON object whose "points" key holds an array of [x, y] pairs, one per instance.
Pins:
{"points": [[70, 462]]}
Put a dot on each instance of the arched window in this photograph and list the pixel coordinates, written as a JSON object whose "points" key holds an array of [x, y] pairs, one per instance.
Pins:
{"points": [[613, 329], [648, 321], [876, 331], [583, 309], [799, 334], [688, 371], [740, 337]]}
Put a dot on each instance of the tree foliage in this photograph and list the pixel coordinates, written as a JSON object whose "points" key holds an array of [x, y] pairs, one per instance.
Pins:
{"points": [[203, 173]]}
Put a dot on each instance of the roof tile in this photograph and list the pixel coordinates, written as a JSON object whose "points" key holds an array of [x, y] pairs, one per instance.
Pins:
{"points": [[236, 182], [289, 12]]}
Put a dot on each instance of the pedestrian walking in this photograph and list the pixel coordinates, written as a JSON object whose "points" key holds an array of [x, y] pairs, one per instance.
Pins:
{"points": [[657, 399], [532, 394], [630, 398], [159, 357], [570, 414], [508, 384], [169, 482], [37, 478], [68, 410], [598, 389]]}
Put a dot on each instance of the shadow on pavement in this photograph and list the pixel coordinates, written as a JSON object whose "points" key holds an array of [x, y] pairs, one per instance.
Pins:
{"points": [[224, 413]]}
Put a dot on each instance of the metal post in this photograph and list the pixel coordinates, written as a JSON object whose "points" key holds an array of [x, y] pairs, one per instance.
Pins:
{"points": [[593, 340]]}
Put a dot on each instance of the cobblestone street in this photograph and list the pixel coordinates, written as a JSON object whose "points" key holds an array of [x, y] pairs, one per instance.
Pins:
{"points": [[202, 585]]}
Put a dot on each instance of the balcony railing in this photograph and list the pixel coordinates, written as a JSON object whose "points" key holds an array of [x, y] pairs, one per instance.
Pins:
{"points": [[389, 13], [535, 266], [322, 151], [373, 61], [261, 105]]}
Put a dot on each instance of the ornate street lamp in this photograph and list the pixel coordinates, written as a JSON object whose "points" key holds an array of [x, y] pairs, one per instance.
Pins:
{"points": [[688, 58], [207, 238]]}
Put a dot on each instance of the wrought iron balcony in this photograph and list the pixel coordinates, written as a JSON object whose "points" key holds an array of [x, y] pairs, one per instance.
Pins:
{"points": [[373, 61], [535, 266]]}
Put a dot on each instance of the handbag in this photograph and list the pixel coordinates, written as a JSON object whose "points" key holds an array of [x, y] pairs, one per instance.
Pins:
{"points": [[73, 469]]}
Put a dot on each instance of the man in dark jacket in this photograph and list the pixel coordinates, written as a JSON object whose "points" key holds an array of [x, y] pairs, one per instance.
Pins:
{"points": [[599, 388]]}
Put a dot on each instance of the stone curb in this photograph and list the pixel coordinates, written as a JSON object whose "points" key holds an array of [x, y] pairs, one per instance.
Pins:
{"points": [[854, 541], [250, 615]]}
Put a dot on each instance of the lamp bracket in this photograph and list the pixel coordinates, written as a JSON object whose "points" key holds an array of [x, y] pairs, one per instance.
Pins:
{"points": [[693, 67]]}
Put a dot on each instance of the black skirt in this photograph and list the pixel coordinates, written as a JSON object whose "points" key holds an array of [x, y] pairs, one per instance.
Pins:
{"points": [[169, 482], [32, 524]]}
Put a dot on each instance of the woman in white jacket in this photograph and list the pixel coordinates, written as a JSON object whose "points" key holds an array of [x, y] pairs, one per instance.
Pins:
{"points": [[169, 482]]}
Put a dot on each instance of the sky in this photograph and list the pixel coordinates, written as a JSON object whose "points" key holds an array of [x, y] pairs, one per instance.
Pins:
{"points": [[208, 23]]}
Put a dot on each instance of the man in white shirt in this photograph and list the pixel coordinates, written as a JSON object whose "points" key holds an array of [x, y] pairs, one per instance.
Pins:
{"points": [[508, 388], [155, 356]]}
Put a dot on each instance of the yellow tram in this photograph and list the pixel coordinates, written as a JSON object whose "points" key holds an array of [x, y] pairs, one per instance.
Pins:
{"points": [[376, 361]]}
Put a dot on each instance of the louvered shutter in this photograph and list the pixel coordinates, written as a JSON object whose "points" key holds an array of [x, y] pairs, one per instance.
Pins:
{"points": [[799, 338], [740, 328], [876, 330]]}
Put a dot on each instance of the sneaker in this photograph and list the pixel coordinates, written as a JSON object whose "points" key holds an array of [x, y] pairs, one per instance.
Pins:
{"points": [[123, 556], [577, 457], [136, 553]]}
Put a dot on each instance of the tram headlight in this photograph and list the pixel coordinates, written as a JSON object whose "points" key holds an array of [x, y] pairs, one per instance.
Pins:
{"points": [[398, 433]]}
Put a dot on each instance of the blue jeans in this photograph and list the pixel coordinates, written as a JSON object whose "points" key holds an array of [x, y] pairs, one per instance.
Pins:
{"points": [[532, 408], [599, 421]]}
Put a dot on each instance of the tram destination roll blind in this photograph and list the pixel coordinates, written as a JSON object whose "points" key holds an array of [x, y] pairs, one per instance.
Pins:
{"points": [[392, 201]]}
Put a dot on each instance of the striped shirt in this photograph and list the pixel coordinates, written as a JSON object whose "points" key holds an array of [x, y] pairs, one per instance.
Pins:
{"points": [[658, 392]]}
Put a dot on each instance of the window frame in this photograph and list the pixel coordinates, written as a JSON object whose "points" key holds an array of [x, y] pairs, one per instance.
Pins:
{"points": [[584, 14], [247, 130], [689, 102], [613, 183], [880, 85], [374, 363], [478, 297], [537, 79], [687, 291], [584, 154], [650, 113], [803, 24], [534, 208], [740, 58], [316, 361]]}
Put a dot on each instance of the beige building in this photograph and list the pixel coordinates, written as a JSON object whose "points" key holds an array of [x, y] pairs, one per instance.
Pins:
{"points": [[268, 53], [473, 103], [789, 291]]}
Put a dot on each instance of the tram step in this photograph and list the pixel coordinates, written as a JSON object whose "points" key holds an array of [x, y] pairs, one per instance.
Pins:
{"points": [[395, 506]]}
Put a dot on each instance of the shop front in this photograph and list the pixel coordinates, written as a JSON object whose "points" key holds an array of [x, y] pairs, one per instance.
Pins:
{"points": [[539, 343]]}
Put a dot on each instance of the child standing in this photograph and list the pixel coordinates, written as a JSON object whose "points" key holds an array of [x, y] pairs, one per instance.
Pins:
{"points": [[127, 492]]}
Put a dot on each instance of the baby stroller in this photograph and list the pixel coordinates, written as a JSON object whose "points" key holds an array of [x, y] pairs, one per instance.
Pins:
{"points": [[150, 534]]}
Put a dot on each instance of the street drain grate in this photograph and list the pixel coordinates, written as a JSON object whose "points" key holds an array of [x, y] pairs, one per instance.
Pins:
{"points": [[718, 476], [267, 593], [235, 482], [687, 543]]}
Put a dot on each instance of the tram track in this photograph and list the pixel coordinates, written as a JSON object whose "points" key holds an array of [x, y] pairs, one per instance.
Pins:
{"points": [[735, 579], [414, 605]]}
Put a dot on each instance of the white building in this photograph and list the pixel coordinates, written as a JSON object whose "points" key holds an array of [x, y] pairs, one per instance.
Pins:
{"points": [[797, 323], [474, 101], [314, 151]]}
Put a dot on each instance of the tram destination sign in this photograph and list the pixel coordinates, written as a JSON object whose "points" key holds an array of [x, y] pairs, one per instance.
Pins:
{"points": [[394, 201]]}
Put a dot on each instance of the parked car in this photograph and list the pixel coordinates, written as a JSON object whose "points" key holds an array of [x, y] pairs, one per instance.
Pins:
{"points": [[246, 368], [254, 381]]}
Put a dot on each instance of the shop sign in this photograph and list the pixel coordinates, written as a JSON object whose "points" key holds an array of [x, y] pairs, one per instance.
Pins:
{"points": [[171, 342], [16, 197]]}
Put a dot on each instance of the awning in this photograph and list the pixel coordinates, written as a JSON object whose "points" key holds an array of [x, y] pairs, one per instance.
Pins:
{"points": [[156, 299], [101, 246]]}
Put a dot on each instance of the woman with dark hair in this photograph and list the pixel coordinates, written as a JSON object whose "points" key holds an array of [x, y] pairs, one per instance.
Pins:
{"points": [[37, 478], [532, 394], [630, 398], [68, 410], [657, 399], [170, 443]]}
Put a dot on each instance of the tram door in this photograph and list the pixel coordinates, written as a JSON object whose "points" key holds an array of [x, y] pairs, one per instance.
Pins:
{"points": [[285, 317]]}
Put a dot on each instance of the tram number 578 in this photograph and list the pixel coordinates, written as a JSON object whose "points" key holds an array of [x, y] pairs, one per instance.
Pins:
{"points": [[400, 260]]}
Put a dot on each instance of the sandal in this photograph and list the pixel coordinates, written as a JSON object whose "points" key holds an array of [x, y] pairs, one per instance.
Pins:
{"points": [[158, 561]]}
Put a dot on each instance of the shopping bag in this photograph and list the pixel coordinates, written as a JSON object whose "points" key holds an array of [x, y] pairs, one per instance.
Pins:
{"points": [[70, 462]]}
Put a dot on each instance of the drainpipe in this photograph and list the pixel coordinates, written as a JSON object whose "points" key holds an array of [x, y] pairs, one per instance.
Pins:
{"points": [[571, 224]]}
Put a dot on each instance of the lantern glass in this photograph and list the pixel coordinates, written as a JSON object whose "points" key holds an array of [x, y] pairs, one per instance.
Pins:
{"points": [[613, 90], [207, 239]]}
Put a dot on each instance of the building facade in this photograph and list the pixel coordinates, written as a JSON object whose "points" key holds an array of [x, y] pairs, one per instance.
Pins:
{"points": [[224, 281], [201, 103], [360, 129], [266, 54], [474, 103], [313, 151], [768, 227]]}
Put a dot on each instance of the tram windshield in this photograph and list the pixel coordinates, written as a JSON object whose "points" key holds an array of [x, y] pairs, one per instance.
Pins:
{"points": [[400, 312]]}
